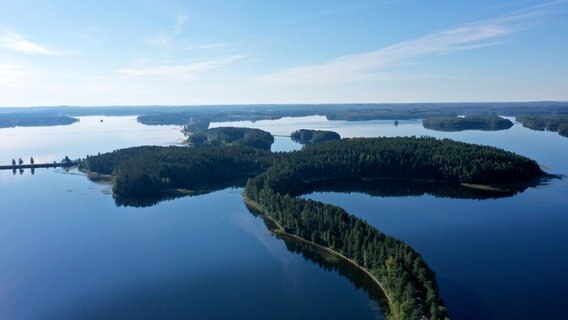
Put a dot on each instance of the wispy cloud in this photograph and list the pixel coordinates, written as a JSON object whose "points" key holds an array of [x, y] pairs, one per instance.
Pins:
{"points": [[179, 71], [180, 23], [169, 37], [13, 41], [371, 65], [208, 46]]}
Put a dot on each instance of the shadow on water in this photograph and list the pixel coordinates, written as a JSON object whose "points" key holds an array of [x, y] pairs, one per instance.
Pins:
{"points": [[152, 200], [406, 188], [330, 262], [472, 306], [383, 188]]}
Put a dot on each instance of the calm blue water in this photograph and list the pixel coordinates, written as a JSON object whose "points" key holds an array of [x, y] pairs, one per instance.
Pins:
{"points": [[68, 252], [494, 259]]}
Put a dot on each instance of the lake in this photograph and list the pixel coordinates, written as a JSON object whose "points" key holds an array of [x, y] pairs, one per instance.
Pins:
{"points": [[495, 259], [68, 251]]}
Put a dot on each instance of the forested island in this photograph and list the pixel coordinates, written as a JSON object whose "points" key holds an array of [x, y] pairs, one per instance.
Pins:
{"points": [[201, 116], [306, 136], [274, 179], [231, 136], [556, 123], [477, 122], [31, 120]]}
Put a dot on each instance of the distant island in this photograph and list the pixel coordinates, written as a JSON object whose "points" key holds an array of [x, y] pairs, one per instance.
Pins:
{"points": [[231, 136], [555, 123], [409, 284], [199, 117], [30, 120], [306, 136], [485, 123]]}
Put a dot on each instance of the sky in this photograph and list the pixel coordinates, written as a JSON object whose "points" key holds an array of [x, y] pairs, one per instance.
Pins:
{"points": [[201, 52]]}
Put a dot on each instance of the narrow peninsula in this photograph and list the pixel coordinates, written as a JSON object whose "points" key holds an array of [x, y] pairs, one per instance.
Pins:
{"points": [[408, 283]]}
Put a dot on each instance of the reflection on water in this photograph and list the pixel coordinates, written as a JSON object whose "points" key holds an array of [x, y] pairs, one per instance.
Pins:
{"points": [[331, 263], [405, 188], [78, 255], [206, 188]]}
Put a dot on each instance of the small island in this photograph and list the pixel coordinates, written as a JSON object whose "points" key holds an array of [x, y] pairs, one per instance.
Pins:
{"points": [[231, 136], [555, 123], [485, 123], [305, 136], [402, 274]]}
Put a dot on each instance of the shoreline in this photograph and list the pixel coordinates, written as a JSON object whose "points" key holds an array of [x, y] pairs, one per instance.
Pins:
{"points": [[498, 188], [280, 230]]}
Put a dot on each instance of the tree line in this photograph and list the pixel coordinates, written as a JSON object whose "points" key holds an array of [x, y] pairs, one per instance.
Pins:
{"points": [[154, 170], [478, 122], [306, 136], [275, 178], [556, 123], [228, 136], [409, 283]]}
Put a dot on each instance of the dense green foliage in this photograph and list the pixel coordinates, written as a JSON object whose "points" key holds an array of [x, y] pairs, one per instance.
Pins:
{"points": [[330, 262], [152, 170], [407, 280], [276, 179], [305, 136], [558, 123], [229, 136], [488, 123], [406, 158]]}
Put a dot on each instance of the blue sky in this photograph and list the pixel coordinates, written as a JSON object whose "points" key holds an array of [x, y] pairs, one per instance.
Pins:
{"points": [[69, 52]]}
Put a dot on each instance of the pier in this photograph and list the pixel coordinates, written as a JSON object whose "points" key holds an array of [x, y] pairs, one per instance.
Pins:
{"points": [[40, 165]]}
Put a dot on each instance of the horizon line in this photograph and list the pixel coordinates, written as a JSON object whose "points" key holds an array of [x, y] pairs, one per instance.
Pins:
{"points": [[281, 104]]}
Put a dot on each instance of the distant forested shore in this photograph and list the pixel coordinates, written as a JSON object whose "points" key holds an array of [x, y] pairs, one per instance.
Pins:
{"points": [[556, 123], [470, 122], [34, 120], [202, 116]]}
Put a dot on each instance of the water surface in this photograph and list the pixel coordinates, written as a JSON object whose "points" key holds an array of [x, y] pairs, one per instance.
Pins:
{"points": [[68, 252], [494, 258]]}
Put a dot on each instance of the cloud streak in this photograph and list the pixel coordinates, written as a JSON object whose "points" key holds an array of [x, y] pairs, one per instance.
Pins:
{"points": [[371, 65], [180, 23], [181, 72], [13, 41]]}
